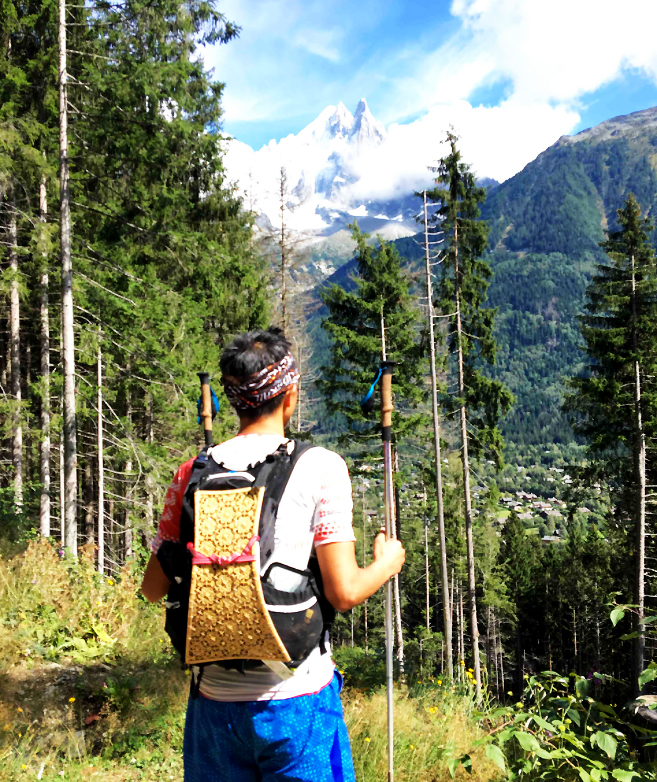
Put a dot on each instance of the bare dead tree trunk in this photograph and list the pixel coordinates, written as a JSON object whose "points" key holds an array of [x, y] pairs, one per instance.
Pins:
{"points": [[426, 575], [127, 521], [68, 340], [451, 607], [461, 636], [150, 520], [495, 657], [395, 580], [62, 492], [472, 597], [639, 642], [399, 636], [283, 246], [15, 351], [501, 651], [447, 615], [489, 647], [44, 347], [88, 494], [101, 463]]}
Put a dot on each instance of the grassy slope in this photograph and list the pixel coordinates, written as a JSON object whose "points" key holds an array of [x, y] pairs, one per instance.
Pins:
{"points": [[89, 690]]}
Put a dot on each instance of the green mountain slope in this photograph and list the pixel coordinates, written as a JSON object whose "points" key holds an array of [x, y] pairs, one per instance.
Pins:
{"points": [[546, 223]]}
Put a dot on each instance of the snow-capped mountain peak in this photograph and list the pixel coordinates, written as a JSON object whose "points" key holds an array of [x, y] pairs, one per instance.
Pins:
{"points": [[324, 162], [365, 129], [340, 122]]}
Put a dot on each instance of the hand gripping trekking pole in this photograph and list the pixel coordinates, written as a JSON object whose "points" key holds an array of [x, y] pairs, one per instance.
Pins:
{"points": [[386, 436], [206, 407]]}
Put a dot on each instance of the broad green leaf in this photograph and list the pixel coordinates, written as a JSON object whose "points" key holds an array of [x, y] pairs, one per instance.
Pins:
{"points": [[582, 688], [606, 742], [574, 716], [453, 764], [583, 775], [494, 753], [527, 742], [647, 620], [616, 615], [648, 675], [544, 724], [595, 774], [624, 776]]}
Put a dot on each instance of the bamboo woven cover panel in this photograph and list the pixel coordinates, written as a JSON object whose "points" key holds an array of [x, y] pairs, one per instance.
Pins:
{"points": [[227, 615]]}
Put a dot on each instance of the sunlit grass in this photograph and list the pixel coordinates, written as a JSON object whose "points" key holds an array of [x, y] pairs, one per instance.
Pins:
{"points": [[90, 690]]}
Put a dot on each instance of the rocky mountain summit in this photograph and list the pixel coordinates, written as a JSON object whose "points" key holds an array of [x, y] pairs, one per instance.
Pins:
{"points": [[323, 166]]}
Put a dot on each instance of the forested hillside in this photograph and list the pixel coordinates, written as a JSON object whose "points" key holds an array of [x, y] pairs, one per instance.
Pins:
{"points": [[546, 225], [128, 262]]}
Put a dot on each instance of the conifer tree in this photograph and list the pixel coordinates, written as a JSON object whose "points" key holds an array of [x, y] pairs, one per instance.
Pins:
{"points": [[479, 400], [517, 555], [380, 294], [615, 405]]}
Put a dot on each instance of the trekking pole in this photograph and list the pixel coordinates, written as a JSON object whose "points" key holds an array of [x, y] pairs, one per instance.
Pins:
{"points": [[367, 405], [386, 436], [205, 412]]}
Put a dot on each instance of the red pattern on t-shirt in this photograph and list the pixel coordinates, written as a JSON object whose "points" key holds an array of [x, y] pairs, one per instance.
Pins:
{"points": [[332, 524], [169, 526]]}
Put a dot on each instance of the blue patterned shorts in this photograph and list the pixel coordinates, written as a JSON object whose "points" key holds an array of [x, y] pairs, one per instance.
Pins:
{"points": [[301, 739]]}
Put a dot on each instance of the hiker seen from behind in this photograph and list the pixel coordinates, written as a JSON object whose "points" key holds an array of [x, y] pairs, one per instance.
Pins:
{"points": [[255, 551]]}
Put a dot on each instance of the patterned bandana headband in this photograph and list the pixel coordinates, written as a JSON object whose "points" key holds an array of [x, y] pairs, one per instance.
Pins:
{"points": [[253, 391]]}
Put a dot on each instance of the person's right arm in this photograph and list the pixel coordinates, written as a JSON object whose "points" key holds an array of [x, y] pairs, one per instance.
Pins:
{"points": [[346, 584]]}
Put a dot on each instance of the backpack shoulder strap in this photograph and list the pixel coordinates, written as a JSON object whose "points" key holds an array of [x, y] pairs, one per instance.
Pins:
{"points": [[187, 513], [274, 475]]}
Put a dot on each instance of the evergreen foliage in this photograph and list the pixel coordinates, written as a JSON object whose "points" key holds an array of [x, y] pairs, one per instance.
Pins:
{"points": [[602, 399], [163, 270], [381, 292], [464, 285]]}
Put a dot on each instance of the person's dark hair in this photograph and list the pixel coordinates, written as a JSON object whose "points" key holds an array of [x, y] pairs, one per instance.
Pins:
{"points": [[250, 353]]}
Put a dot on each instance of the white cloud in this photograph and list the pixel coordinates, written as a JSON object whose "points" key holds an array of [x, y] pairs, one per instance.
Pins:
{"points": [[497, 141], [319, 42], [559, 50], [550, 57]]}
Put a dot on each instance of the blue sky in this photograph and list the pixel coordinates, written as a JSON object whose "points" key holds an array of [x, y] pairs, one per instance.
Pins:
{"points": [[555, 66]]}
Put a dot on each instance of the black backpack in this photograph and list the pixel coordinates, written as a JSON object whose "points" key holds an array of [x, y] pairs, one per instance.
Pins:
{"points": [[302, 630]]}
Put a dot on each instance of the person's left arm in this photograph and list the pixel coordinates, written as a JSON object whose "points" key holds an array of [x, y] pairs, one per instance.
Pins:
{"points": [[155, 584]]}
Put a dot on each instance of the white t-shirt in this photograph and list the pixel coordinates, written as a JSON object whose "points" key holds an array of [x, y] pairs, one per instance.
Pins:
{"points": [[316, 508]]}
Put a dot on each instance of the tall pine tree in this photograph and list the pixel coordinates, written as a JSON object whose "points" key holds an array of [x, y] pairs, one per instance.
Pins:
{"points": [[615, 405], [479, 400]]}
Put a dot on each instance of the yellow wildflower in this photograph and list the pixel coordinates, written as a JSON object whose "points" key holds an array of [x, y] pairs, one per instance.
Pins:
{"points": [[23, 766], [71, 700], [368, 739], [440, 681], [110, 581], [20, 711]]}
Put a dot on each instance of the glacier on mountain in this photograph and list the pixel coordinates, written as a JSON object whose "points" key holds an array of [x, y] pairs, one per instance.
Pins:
{"points": [[323, 163]]}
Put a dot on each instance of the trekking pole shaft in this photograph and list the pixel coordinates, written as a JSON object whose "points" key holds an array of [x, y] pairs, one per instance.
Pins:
{"points": [[206, 406], [386, 435]]}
